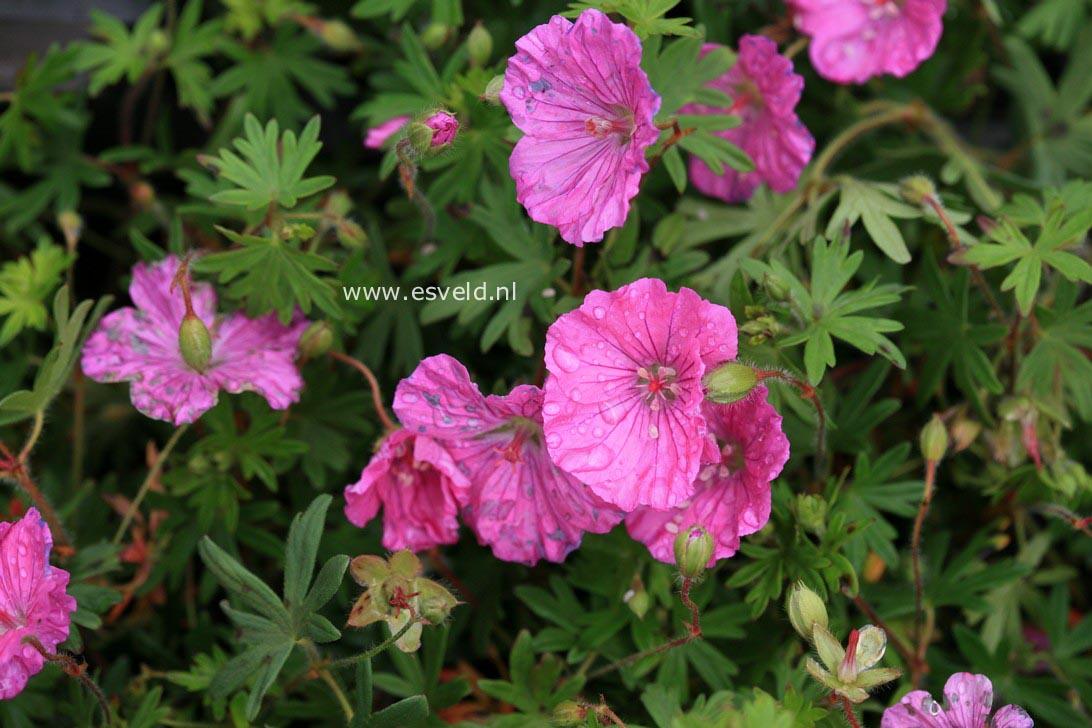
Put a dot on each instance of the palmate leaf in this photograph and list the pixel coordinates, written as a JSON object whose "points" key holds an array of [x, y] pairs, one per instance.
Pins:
{"points": [[121, 54], [35, 106], [272, 275], [192, 42], [1057, 368], [828, 312], [1062, 223], [269, 77], [875, 205], [272, 166], [646, 17], [24, 286]]}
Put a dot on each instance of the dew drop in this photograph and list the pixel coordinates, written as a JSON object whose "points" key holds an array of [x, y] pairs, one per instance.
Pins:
{"points": [[551, 408], [653, 431], [566, 359], [599, 312]]}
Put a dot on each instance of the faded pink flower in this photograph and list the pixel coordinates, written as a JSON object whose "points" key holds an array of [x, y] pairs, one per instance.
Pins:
{"points": [[406, 477], [585, 107], [140, 345], [968, 699], [623, 410], [33, 601], [516, 499], [444, 127], [732, 497], [765, 92], [855, 40], [378, 135]]}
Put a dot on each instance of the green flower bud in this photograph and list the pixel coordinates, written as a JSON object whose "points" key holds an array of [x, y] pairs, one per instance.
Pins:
{"points": [[351, 235], [339, 37], [934, 440], [419, 137], [435, 35], [638, 600], [71, 225], [158, 42], [776, 288], [493, 89], [811, 510], [964, 432], [916, 189], [693, 552], [479, 45], [316, 340], [730, 382], [569, 713], [198, 464], [434, 602], [195, 342], [805, 610]]}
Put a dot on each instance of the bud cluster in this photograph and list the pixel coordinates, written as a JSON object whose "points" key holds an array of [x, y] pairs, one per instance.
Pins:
{"points": [[397, 593]]}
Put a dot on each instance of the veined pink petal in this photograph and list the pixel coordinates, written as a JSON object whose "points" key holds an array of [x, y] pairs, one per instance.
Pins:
{"points": [[855, 40], [586, 109]]}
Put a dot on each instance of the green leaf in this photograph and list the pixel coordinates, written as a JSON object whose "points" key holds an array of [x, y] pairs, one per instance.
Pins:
{"points": [[716, 152], [121, 54], [25, 284], [304, 536], [874, 204], [407, 713], [326, 583], [241, 582], [272, 275], [271, 168]]}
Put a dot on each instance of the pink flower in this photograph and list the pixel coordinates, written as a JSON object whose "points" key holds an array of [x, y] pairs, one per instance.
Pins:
{"points": [[444, 127], [765, 92], [732, 497], [623, 410], [516, 500], [378, 135], [406, 477], [854, 40], [140, 345], [33, 602], [967, 702], [578, 94]]}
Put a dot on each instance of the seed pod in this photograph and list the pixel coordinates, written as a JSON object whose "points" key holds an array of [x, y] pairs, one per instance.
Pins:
{"points": [[195, 343]]}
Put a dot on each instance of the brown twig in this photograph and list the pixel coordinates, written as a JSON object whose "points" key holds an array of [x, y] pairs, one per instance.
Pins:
{"points": [[377, 395], [677, 134]]}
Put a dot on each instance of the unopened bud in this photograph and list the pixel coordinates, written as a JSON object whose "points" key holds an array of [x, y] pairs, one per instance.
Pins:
{"points": [[339, 36], [638, 599], [776, 288], [730, 382], [142, 194], [158, 42], [569, 713], [493, 89], [199, 464], [806, 610], [435, 35], [419, 137], [916, 189], [195, 343], [479, 45], [71, 225], [316, 340], [811, 511], [934, 440], [435, 601], [444, 127], [351, 235], [693, 552]]}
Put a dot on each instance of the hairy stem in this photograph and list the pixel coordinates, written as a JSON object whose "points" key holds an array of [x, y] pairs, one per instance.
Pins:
{"points": [[76, 669], [915, 556], [903, 113], [851, 717], [957, 244], [377, 395], [369, 654], [153, 475]]}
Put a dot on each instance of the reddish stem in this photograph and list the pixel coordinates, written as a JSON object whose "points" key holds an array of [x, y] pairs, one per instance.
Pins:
{"points": [[921, 639], [851, 718], [16, 469], [677, 134], [377, 396]]}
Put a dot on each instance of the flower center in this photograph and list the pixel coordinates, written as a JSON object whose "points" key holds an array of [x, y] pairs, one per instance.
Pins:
{"points": [[601, 127], [7, 622], [880, 9], [521, 428], [745, 96], [657, 385]]}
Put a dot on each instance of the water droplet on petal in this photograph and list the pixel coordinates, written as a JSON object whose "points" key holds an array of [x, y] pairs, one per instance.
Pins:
{"points": [[653, 431], [566, 359], [599, 312]]}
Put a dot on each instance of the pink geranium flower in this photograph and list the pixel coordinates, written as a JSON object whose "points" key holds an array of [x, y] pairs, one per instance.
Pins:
{"points": [[516, 500], [623, 410], [732, 497], [140, 345], [765, 92], [444, 127], [407, 478], [855, 40], [33, 601], [968, 699], [378, 135], [577, 92]]}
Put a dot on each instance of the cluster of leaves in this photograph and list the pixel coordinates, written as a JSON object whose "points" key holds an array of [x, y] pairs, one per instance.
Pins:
{"points": [[888, 308]]}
